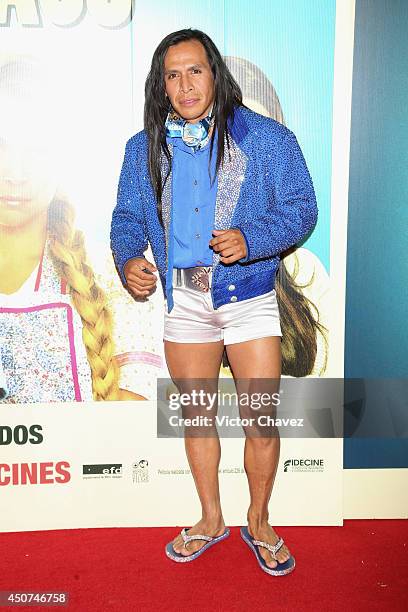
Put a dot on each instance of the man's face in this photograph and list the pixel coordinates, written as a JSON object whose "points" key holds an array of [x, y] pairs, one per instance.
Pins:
{"points": [[189, 80]]}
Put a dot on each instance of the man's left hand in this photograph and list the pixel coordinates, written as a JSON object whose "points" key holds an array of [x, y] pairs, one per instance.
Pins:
{"points": [[230, 244]]}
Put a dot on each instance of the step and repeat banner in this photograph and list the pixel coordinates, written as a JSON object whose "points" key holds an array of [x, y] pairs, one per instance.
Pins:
{"points": [[72, 339]]}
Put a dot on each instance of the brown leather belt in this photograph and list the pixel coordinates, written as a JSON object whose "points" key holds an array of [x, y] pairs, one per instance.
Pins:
{"points": [[198, 278]]}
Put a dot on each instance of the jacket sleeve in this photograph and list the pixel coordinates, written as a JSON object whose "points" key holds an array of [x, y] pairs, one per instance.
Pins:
{"points": [[128, 228], [293, 211]]}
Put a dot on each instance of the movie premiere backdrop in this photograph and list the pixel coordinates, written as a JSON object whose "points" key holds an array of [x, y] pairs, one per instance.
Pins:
{"points": [[80, 448]]}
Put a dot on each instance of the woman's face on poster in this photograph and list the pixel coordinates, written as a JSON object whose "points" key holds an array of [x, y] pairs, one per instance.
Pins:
{"points": [[28, 174]]}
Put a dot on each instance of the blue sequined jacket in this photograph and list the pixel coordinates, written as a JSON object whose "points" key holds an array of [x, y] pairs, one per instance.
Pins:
{"points": [[264, 189]]}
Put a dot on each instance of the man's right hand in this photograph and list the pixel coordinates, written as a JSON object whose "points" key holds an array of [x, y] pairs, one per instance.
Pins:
{"points": [[140, 283]]}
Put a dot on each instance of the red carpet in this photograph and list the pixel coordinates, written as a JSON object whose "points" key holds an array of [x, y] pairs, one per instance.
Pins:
{"points": [[362, 566]]}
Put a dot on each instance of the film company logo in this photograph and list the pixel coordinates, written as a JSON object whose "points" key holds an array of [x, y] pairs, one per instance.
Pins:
{"points": [[102, 470], [140, 471], [303, 465]]}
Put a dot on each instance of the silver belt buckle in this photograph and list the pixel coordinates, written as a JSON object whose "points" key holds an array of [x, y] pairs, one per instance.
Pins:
{"points": [[198, 278]]}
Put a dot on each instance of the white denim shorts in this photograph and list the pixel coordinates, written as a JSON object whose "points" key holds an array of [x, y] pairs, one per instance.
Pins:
{"points": [[193, 318]]}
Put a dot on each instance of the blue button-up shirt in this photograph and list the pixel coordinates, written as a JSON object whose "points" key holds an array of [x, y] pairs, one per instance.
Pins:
{"points": [[193, 204]]}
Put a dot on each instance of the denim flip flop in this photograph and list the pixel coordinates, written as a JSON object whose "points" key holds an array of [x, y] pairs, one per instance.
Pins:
{"points": [[282, 568], [175, 556]]}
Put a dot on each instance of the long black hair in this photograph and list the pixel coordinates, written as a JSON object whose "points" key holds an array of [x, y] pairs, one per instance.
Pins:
{"points": [[227, 96]]}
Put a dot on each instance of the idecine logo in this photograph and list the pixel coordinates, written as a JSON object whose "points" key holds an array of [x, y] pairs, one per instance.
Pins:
{"points": [[46, 472], [303, 465], [20, 434], [102, 470], [110, 14]]}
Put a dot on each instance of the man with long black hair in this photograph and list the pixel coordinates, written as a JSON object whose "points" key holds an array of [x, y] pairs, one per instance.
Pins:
{"points": [[219, 192]]}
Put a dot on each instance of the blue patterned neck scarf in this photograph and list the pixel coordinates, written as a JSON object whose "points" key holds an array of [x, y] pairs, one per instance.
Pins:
{"points": [[193, 134]]}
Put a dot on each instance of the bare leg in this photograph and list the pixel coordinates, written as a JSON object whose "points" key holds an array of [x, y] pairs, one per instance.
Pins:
{"points": [[199, 361], [258, 359]]}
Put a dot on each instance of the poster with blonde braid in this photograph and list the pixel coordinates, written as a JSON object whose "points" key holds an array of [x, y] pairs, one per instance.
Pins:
{"points": [[60, 341], [74, 342], [67, 250]]}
